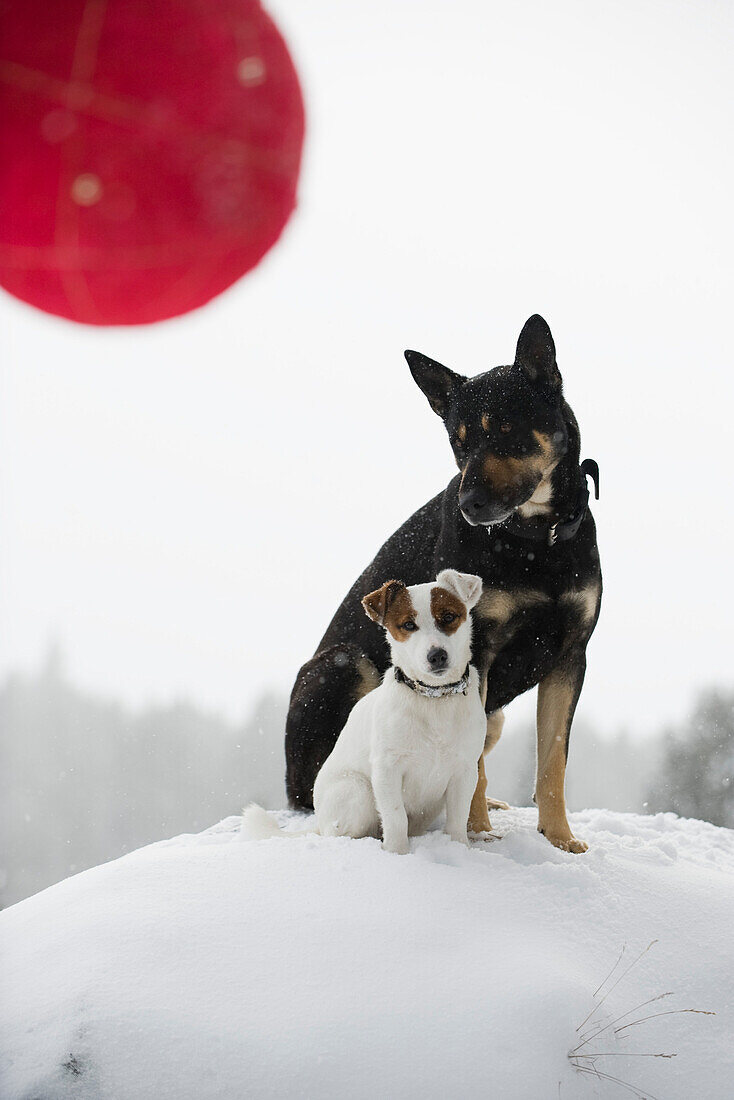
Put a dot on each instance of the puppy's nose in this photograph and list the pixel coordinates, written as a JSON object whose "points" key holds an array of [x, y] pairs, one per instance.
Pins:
{"points": [[437, 658]]}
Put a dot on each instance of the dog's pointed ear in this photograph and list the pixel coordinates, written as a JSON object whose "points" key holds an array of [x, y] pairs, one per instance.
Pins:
{"points": [[536, 353], [467, 586], [377, 603], [439, 384]]}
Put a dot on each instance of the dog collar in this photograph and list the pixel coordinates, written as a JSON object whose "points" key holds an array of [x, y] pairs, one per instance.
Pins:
{"points": [[431, 691], [561, 530]]}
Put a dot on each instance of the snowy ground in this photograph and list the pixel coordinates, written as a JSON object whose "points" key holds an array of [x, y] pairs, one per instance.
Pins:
{"points": [[207, 967]]}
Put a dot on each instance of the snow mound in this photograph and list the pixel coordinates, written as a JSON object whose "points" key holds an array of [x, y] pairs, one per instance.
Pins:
{"points": [[209, 968]]}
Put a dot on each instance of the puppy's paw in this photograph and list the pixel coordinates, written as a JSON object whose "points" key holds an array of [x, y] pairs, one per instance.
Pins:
{"points": [[459, 838], [398, 847], [497, 804], [566, 841]]}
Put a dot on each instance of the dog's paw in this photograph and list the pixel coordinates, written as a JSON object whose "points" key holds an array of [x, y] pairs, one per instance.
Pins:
{"points": [[397, 847], [567, 842], [484, 836], [497, 804], [459, 838]]}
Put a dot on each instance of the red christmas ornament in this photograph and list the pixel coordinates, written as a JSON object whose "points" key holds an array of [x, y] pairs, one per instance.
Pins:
{"points": [[150, 152]]}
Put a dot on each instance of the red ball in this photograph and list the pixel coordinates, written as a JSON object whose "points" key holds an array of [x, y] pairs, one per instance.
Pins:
{"points": [[150, 152]]}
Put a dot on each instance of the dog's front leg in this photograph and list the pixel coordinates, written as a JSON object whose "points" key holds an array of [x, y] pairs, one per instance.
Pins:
{"points": [[458, 798], [558, 694], [388, 787], [478, 811]]}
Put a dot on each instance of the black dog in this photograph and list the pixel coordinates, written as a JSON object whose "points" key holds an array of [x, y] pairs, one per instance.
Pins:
{"points": [[518, 516]]}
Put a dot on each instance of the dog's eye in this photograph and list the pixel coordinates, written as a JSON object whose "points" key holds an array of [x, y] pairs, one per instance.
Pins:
{"points": [[447, 618], [408, 625], [505, 428]]}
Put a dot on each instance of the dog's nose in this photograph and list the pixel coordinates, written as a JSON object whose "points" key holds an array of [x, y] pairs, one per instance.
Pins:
{"points": [[477, 507], [437, 658], [473, 501]]}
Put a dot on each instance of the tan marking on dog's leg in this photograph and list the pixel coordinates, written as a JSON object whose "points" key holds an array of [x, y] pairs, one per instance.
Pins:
{"points": [[556, 700], [497, 604], [369, 677], [495, 722], [478, 815], [585, 599]]}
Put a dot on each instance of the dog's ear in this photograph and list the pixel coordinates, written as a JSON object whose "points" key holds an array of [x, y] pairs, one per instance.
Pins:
{"points": [[536, 354], [439, 384], [377, 603], [467, 586]]}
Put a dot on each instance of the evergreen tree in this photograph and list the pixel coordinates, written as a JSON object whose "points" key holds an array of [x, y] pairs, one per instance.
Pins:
{"points": [[696, 777]]}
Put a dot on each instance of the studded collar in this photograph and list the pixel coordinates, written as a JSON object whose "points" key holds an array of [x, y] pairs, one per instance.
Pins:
{"points": [[431, 691]]}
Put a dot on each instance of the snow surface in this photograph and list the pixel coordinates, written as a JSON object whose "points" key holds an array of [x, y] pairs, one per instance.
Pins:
{"points": [[208, 967]]}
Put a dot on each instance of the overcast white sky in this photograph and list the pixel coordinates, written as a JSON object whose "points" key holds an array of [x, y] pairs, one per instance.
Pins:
{"points": [[185, 505]]}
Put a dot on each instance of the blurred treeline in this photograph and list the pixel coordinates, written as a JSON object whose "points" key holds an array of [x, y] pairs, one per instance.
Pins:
{"points": [[84, 779]]}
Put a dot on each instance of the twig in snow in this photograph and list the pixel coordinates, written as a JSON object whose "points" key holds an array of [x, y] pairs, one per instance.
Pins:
{"points": [[619, 959], [593, 1034], [671, 1012], [618, 1080], [611, 987], [622, 1054], [586, 1061]]}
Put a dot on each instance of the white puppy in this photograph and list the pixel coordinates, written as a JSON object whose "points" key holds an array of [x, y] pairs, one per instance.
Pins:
{"points": [[410, 747]]}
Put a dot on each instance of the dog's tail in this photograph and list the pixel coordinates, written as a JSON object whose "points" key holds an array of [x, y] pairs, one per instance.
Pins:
{"points": [[258, 824]]}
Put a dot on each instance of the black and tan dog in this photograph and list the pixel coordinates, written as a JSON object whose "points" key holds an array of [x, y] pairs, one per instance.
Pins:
{"points": [[516, 515]]}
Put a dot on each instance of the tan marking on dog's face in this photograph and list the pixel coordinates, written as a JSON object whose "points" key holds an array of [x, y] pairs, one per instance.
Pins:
{"points": [[461, 432], [541, 501], [511, 475], [380, 604], [448, 611], [485, 421], [391, 607], [545, 443], [507, 475], [400, 611]]}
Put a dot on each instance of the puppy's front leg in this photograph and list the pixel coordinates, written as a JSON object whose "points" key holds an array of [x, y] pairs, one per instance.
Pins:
{"points": [[388, 788], [458, 800]]}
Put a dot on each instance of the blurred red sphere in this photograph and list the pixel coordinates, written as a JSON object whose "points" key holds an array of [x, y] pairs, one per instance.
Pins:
{"points": [[150, 152]]}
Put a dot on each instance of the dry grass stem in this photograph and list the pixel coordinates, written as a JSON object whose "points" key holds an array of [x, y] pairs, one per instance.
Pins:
{"points": [[612, 987], [671, 1012]]}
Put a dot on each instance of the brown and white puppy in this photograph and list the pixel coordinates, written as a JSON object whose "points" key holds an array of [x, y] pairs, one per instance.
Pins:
{"points": [[409, 748]]}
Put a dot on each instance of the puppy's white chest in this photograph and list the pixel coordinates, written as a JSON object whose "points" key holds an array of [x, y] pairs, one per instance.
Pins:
{"points": [[426, 776], [432, 748]]}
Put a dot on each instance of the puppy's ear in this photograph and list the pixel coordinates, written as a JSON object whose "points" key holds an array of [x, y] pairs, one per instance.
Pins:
{"points": [[536, 354], [439, 384], [467, 586], [377, 603]]}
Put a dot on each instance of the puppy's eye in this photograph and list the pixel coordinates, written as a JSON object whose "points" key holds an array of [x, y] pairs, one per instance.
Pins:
{"points": [[408, 625], [505, 428], [447, 618]]}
